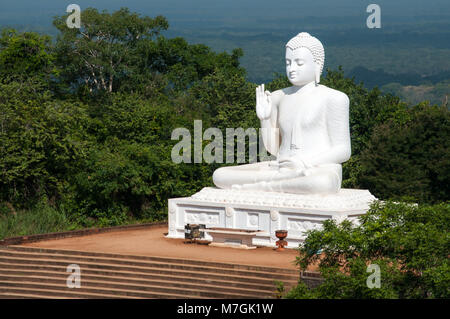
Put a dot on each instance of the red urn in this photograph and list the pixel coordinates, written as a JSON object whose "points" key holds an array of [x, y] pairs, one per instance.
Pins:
{"points": [[281, 243]]}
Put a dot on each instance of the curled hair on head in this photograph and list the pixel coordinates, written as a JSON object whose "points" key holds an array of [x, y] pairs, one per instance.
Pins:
{"points": [[305, 40]]}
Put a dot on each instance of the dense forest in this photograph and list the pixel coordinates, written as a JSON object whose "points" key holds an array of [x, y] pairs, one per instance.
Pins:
{"points": [[86, 119]]}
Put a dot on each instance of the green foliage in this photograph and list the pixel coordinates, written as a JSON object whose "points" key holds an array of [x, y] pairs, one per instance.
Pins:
{"points": [[228, 98], [228, 101], [409, 243], [43, 141], [411, 157], [130, 117], [280, 289], [185, 63], [117, 52], [39, 220], [24, 55], [124, 178], [100, 54], [105, 160]]}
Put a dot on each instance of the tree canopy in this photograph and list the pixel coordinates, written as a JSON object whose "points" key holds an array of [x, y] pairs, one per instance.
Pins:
{"points": [[409, 243]]}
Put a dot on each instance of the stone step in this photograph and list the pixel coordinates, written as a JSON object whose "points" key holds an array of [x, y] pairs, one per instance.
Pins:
{"points": [[86, 292], [150, 258], [31, 272], [45, 293], [142, 285], [119, 276], [126, 264], [185, 275], [27, 295], [189, 290]]}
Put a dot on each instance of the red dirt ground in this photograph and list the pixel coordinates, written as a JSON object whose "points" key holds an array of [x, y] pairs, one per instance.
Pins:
{"points": [[152, 242]]}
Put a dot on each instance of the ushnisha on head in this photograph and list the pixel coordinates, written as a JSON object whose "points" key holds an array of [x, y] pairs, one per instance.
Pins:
{"points": [[305, 58]]}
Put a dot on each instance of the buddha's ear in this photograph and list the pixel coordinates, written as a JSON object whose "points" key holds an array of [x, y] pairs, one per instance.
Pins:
{"points": [[317, 73]]}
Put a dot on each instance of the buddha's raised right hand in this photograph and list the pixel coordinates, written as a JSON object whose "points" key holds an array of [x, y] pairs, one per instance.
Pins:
{"points": [[263, 103]]}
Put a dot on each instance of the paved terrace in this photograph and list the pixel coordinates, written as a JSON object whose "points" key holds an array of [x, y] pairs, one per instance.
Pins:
{"points": [[152, 242]]}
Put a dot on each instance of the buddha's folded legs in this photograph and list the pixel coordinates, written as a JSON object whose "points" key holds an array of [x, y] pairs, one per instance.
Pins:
{"points": [[319, 183], [263, 177], [225, 177]]}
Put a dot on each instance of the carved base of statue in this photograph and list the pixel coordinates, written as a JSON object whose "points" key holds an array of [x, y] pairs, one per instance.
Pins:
{"points": [[265, 211]]}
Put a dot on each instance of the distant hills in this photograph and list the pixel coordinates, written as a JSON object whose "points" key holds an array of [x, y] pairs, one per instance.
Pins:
{"points": [[379, 77], [412, 48]]}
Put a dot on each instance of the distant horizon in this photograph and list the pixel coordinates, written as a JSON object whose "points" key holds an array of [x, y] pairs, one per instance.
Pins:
{"points": [[412, 47], [38, 12]]}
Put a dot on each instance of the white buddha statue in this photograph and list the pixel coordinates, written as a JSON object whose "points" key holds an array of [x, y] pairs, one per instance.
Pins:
{"points": [[306, 126]]}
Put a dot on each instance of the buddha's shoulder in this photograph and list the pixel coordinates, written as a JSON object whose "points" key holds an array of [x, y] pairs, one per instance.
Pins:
{"points": [[332, 94], [322, 91], [278, 95]]}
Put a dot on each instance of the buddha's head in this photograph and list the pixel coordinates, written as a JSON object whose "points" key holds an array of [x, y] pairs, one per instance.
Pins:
{"points": [[305, 57]]}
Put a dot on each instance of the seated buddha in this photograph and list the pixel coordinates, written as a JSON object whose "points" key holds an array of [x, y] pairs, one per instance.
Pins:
{"points": [[305, 126]]}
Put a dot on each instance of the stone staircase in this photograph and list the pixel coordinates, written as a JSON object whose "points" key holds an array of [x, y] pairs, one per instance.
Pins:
{"points": [[27, 272]]}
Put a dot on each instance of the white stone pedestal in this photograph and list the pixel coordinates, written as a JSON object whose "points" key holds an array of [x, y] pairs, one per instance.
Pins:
{"points": [[265, 211]]}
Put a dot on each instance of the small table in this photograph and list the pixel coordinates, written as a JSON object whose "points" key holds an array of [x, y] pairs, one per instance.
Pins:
{"points": [[232, 237]]}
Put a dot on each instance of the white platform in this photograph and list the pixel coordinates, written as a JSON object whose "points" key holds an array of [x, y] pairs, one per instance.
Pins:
{"points": [[265, 211]]}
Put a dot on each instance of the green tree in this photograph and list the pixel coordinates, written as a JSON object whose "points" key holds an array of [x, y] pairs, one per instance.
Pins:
{"points": [[185, 63], [42, 141], [99, 55], [410, 244], [410, 158], [24, 55]]}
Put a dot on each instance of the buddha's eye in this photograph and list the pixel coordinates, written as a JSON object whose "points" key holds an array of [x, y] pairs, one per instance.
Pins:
{"points": [[299, 63]]}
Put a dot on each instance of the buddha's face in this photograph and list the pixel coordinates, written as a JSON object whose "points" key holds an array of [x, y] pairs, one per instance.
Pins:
{"points": [[300, 66]]}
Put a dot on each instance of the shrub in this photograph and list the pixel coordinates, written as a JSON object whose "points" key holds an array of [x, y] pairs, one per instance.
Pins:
{"points": [[410, 158], [410, 244]]}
